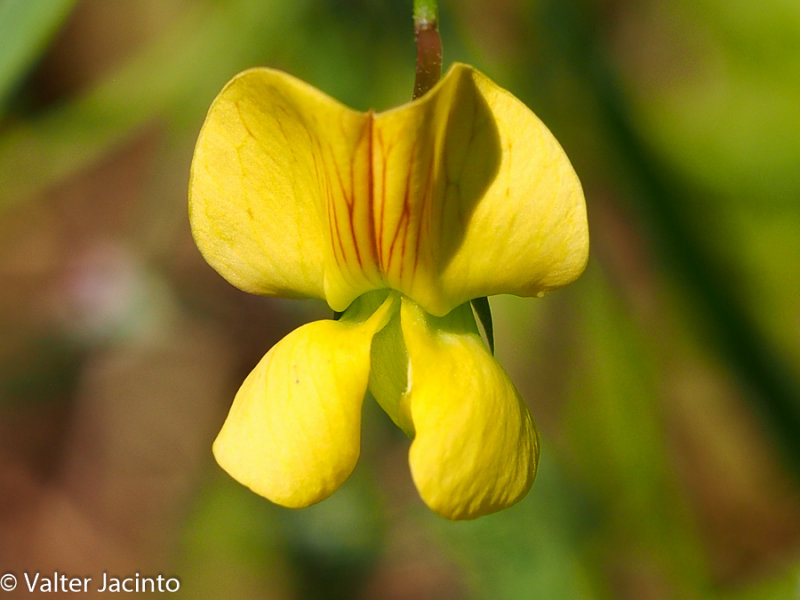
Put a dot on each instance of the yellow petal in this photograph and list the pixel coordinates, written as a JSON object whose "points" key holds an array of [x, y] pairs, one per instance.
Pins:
{"points": [[460, 194], [293, 432], [474, 197], [276, 164], [476, 449], [388, 376]]}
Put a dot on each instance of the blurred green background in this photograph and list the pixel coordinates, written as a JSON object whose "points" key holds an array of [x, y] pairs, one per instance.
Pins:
{"points": [[664, 382]]}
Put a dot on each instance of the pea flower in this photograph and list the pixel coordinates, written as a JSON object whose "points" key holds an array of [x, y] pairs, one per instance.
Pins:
{"points": [[397, 220]]}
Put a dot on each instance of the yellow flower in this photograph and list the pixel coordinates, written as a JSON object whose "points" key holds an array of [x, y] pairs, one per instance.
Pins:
{"points": [[398, 220]]}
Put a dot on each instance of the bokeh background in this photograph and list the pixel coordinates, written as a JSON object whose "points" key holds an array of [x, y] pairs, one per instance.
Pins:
{"points": [[664, 382]]}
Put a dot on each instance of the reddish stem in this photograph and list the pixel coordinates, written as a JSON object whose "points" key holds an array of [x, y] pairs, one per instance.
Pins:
{"points": [[429, 56]]}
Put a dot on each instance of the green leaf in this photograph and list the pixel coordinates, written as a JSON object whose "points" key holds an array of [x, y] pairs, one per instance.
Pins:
{"points": [[484, 312], [26, 27], [174, 76]]}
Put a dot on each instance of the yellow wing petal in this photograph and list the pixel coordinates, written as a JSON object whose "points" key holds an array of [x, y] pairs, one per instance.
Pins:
{"points": [[293, 432], [475, 450], [474, 197], [276, 159]]}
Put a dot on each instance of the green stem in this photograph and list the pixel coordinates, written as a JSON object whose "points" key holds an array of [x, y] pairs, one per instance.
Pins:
{"points": [[429, 46], [426, 11]]}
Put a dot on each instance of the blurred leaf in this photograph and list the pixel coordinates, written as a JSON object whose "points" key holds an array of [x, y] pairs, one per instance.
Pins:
{"points": [[237, 533], [335, 544], [731, 123], [532, 550], [678, 230], [25, 28], [616, 425], [180, 71], [782, 585]]}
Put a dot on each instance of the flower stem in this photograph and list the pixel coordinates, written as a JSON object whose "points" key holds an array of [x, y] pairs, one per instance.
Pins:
{"points": [[429, 69], [426, 11], [429, 46]]}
